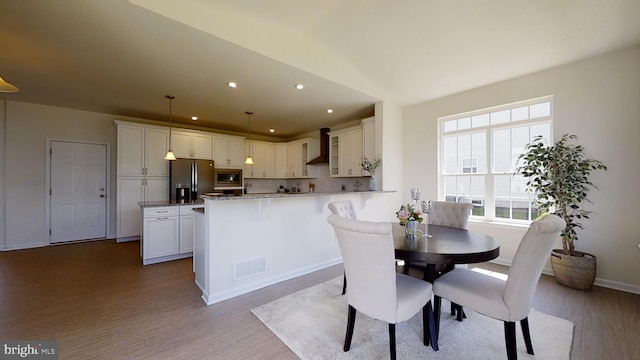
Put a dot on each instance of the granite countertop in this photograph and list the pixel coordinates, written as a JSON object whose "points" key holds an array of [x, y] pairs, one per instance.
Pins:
{"points": [[144, 204], [287, 195]]}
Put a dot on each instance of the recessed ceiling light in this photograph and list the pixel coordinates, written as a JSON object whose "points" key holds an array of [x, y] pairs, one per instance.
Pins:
{"points": [[272, 130], [232, 84], [194, 118], [330, 111], [299, 86]]}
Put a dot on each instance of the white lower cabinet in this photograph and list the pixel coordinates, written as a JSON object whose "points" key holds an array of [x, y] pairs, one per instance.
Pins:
{"points": [[167, 233]]}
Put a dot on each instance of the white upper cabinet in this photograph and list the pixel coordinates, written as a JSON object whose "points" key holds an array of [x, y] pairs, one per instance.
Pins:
{"points": [[141, 150], [228, 151], [345, 152], [264, 160], [281, 150], [191, 144], [299, 153]]}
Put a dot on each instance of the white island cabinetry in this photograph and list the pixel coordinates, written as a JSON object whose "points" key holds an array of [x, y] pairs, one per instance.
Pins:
{"points": [[168, 232]]}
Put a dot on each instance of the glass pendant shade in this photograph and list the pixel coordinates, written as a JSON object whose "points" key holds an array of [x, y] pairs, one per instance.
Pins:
{"points": [[170, 155], [249, 160]]}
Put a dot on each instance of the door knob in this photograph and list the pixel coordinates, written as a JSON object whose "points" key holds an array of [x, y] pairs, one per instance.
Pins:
{"points": [[102, 195]]}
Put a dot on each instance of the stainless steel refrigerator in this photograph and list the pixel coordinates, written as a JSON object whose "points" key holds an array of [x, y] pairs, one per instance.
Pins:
{"points": [[190, 178]]}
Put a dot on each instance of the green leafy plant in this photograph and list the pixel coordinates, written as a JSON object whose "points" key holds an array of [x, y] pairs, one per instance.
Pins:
{"points": [[369, 165], [558, 174]]}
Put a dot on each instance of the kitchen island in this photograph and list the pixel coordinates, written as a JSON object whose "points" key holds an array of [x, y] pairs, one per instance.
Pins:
{"points": [[167, 230], [244, 243]]}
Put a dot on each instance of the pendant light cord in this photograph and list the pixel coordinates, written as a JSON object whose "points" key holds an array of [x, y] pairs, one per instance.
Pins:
{"points": [[170, 118]]}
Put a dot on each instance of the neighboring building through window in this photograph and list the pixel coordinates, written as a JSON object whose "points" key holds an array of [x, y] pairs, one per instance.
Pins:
{"points": [[479, 152]]}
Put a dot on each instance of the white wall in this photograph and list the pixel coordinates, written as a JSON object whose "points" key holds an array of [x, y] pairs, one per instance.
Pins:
{"points": [[28, 126], [598, 99]]}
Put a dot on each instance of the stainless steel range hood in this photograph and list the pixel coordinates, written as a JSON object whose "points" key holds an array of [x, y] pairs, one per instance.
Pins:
{"points": [[324, 148]]}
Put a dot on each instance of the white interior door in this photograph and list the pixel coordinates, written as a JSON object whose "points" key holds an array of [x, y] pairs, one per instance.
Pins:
{"points": [[78, 191]]}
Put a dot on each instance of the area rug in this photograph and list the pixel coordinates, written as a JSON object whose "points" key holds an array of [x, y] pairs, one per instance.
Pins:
{"points": [[312, 323]]}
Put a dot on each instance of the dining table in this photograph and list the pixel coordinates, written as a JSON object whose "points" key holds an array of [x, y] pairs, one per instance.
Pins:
{"points": [[441, 247]]}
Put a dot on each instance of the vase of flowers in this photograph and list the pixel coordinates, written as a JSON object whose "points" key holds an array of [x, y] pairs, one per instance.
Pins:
{"points": [[370, 167], [408, 213], [410, 218]]}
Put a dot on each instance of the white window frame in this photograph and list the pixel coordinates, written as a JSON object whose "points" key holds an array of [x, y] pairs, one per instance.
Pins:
{"points": [[489, 176]]}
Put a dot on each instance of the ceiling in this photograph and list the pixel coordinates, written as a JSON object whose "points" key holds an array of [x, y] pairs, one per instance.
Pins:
{"points": [[122, 57]]}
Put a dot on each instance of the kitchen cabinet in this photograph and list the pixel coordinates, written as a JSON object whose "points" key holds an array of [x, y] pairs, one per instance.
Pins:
{"points": [[142, 173], [186, 229], [264, 160], [228, 151], [298, 154], [141, 150], [132, 190], [281, 150], [168, 233], [160, 233], [192, 144], [345, 152]]}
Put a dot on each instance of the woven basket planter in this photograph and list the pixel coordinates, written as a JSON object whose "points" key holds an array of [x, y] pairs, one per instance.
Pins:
{"points": [[576, 272]]}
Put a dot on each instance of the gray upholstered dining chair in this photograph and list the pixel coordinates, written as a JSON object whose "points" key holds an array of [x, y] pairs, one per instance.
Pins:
{"points": [[510, 300], [375, 288], [343, 209], [452, 214]]}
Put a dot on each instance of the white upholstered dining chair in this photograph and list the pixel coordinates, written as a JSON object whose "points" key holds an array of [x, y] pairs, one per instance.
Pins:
{"points": [[346, 210], [375, 288], [510, 300]]}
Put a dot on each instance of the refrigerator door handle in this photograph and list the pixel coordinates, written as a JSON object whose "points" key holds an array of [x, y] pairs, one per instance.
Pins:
{"points": [[194, 178]]}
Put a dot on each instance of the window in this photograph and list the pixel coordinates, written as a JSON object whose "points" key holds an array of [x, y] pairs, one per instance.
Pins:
{"points": [[479, 151]]}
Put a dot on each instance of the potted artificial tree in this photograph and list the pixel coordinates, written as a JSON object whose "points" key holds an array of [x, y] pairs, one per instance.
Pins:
{"points": [[559, 176]]}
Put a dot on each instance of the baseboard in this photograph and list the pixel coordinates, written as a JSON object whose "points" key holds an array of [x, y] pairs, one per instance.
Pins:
{"points": [[610, 284], [24, 246]]}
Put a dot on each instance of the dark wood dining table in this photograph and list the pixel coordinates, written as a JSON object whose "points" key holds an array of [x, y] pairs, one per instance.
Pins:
{"points": [[443, 248]]}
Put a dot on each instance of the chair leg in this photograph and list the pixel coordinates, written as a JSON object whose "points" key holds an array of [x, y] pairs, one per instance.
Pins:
{"points": [[437, 304], [351, 319], [392, 341], [344, 284], [510, 339], [458, 312], [524, 324], [430, 333]]}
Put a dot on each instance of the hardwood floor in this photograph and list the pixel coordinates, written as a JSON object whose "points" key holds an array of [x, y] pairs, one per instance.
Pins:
{"points": [[99, 302]]}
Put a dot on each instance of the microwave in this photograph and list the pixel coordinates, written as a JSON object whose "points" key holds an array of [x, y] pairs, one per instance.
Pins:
{"points": [[227, 179]]}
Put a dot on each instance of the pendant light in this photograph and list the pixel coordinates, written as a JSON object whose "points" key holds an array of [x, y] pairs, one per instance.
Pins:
{"points": [[249, 160], [170, 155], [6, 87]]}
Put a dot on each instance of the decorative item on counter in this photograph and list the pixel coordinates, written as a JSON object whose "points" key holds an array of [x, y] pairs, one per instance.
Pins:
{"points": [[343, 188], [357, 185], [408, 213], [281, 189], [371, 166], [312, 187]]}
